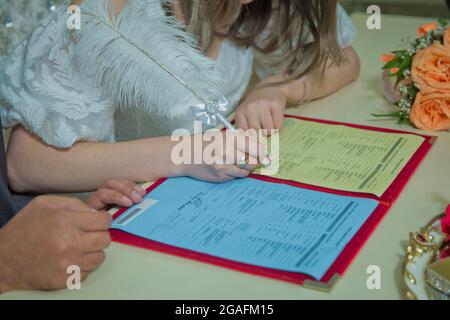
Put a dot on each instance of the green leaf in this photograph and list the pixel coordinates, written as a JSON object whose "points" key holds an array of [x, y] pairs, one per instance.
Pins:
{"points": [[406, 64], [443, 23], [388, 115], [392, 64], [403, 119], [400, 53], [412, 91]]}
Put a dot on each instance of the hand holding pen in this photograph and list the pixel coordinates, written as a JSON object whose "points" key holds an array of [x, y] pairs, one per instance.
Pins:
{"points": [[210, 114]]}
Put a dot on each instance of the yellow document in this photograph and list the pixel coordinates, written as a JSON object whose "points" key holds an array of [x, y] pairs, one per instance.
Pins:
{"points": [[342, 158]]}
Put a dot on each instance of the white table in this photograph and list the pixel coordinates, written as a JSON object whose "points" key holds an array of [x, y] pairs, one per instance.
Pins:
{"points": [[132, 273]]}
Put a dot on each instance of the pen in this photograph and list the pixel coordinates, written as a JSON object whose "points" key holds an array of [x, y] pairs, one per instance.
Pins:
{"points": [[210, 112]]}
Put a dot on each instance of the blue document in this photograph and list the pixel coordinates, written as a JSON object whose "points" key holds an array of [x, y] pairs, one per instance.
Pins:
{"points": [[255, 222]]}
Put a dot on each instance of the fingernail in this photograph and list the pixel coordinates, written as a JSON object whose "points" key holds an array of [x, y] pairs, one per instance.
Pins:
{"points": [[127, 202], [140, 190], [136, 196]]}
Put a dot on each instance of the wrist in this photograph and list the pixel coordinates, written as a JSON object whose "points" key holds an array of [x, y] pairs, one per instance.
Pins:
{"points": [[178, 170], [180, 167], [294, 91], [286, 91]]}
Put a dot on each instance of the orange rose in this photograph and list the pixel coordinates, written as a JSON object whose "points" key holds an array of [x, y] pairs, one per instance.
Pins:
{"points": [[431, 69], [431, 112], [423, 30], [447, 38]]}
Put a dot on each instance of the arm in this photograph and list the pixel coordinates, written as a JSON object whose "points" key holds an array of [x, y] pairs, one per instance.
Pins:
{"points": [[265, 105], [7, 276], [36, 167], [313, 86]]}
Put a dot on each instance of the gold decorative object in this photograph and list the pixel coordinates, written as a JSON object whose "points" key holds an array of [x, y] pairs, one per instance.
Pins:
{"points": [[424, 275], [438, 279]]}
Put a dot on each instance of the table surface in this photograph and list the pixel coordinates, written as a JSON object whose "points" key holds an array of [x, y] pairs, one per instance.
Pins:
{"points": [[132, 273]]}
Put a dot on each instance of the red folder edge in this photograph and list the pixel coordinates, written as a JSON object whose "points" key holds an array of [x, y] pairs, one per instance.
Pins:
{"points": [[346, 256]]}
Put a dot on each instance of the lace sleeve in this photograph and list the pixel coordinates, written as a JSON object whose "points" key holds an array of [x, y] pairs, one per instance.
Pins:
{"points": [[41, 89]]}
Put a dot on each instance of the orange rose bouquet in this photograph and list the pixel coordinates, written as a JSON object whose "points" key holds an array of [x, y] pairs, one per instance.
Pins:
{"points": [[422, 79]]}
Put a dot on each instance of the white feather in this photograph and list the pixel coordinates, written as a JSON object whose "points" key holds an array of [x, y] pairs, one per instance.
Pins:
{"points": [[130, 77]]}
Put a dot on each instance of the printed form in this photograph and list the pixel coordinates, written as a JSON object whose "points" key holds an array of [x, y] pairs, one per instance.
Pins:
{"points": [[341, 157], [250, 221]]}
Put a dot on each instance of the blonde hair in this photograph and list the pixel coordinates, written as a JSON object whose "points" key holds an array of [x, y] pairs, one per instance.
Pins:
{"points": [[303, 32]]}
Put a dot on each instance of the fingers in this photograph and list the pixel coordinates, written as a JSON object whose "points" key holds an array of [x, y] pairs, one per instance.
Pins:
{"points": [[251, 163], [115, 191], [63, 203], [233, 165], [247, 118], [251, 146], [241, 121], [267, 121], [278, 118], [254, 121], [268, 116], [91, 242], [93, 221], [229, 172], [129, 189], [236, 172], [108, 196], [91, 261]]}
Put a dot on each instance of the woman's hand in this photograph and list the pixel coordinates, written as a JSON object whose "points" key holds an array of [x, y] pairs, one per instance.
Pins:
{"points": [[116, 192], [262, 109], [231, 159]]}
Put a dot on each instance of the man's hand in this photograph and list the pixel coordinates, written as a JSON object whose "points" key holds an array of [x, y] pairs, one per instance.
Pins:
{"points": [[115, 191], [46, 237]]}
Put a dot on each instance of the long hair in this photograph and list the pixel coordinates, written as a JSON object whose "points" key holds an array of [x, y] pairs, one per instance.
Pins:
{"points": [[302, 33]]}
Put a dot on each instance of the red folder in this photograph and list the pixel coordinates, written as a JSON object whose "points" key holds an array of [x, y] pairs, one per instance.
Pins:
{"points": [[339, 266]]}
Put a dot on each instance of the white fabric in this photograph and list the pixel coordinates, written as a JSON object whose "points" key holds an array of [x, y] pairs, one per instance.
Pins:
{"points": [[346, 30], [235, 66], [25, 15], [125, 54], [43, 88], [40, 88]]}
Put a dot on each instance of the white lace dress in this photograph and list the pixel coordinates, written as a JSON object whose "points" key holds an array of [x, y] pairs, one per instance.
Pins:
{"points": [[45, 85]]}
